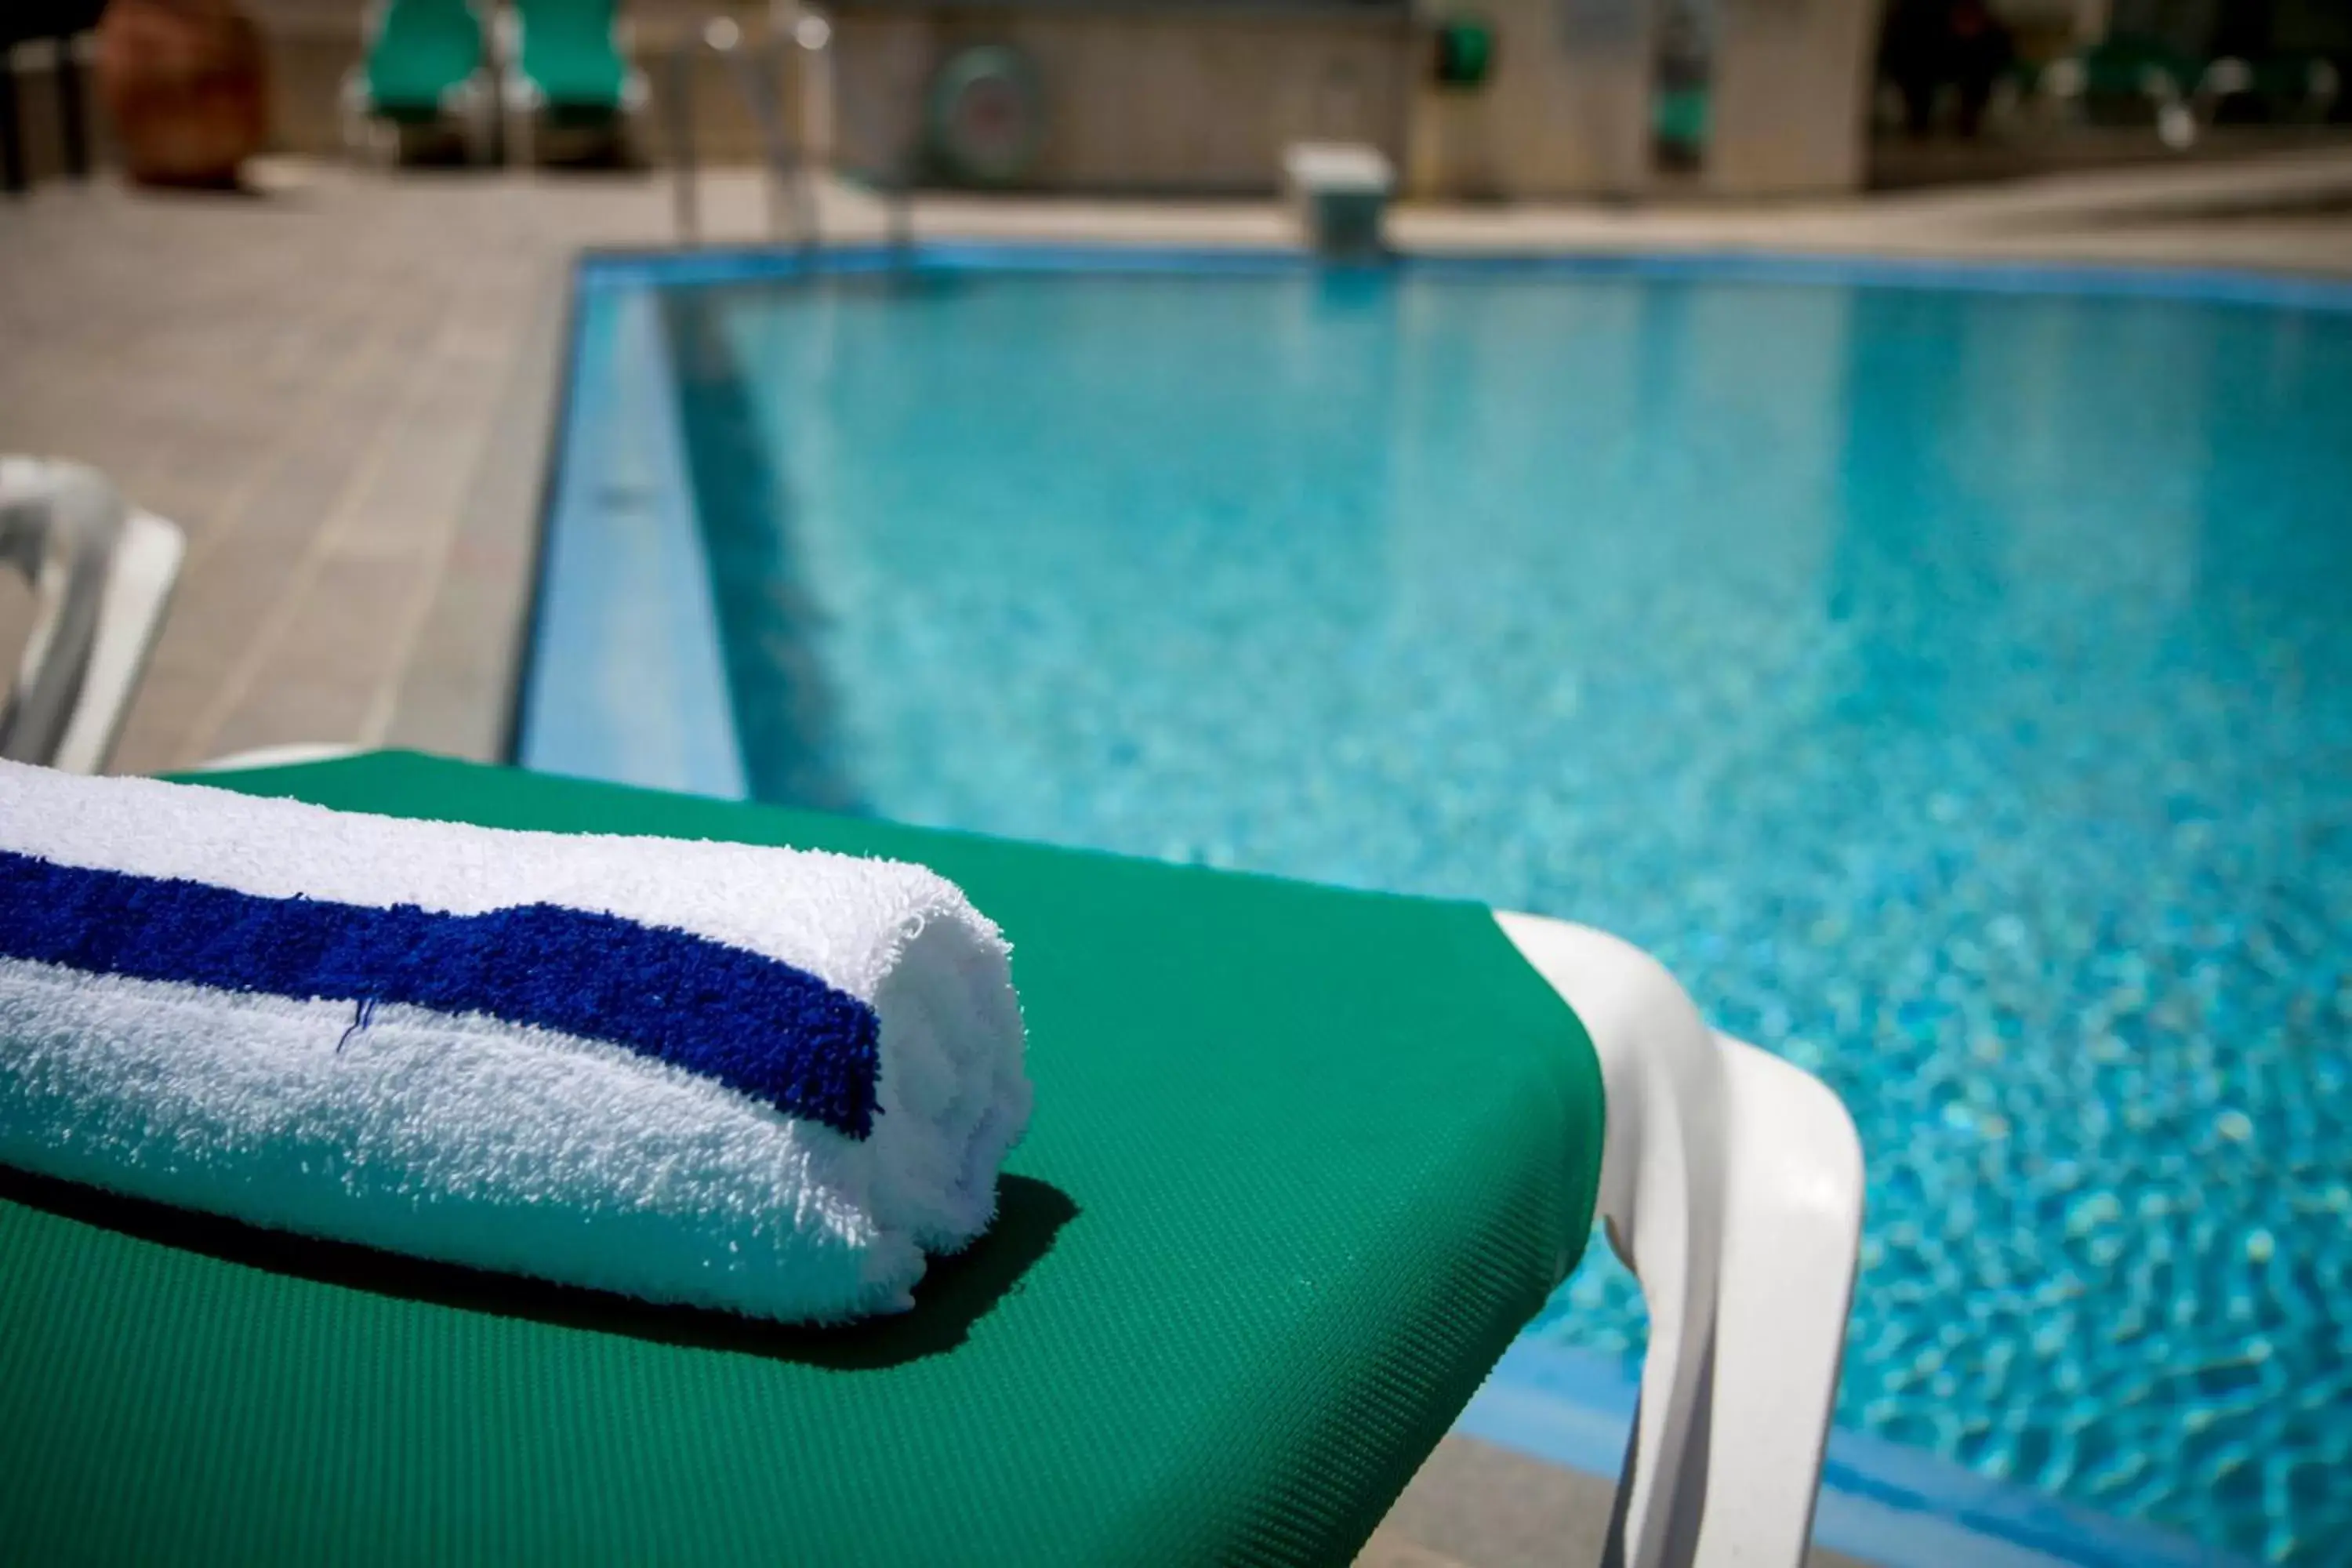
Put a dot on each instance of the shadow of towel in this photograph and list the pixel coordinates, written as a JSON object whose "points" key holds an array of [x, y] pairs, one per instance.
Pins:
{"points": [[956, 1293]]}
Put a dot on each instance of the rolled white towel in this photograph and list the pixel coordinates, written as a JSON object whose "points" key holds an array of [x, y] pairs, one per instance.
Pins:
{"points": [[767, 1080]]}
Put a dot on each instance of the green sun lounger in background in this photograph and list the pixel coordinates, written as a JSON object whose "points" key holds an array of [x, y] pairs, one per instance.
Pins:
{"points": [[426, 70], [1303, 1161], [2292, 88], [567, 71], [2127, 74]]}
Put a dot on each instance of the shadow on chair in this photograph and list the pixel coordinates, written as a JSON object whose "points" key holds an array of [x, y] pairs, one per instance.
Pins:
{"points": [[955, 1294]]}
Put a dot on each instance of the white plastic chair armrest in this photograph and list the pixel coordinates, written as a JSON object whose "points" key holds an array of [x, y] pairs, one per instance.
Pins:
{"points": [[1793, 1233], [1662, 1197], [139, 583], [1731, 1183]]}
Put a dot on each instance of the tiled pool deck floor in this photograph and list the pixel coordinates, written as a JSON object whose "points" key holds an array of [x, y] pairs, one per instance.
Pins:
{"points": [[340, 389]]}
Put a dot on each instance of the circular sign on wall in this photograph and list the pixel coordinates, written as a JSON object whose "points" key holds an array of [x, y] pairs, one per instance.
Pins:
{"points": [[987, 117]]}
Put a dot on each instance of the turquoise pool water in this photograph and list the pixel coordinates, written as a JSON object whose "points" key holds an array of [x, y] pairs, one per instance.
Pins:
{"points": [[1953, 685]]}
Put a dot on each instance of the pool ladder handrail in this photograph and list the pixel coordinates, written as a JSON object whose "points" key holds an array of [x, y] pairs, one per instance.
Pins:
{"points": [[793, 164]]}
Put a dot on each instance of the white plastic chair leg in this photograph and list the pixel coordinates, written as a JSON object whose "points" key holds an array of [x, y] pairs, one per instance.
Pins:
{"points": [[1731, 1184], [522, 130], [519, 99], [1662, 1196], [139, 583], [102, 573], [350, 114], [1791, 1235], [473, 106], [636, 99]]}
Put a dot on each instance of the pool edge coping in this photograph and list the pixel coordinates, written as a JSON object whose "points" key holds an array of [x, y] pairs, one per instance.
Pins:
{"points": [[1880, 1502], [461, 692], [675, 665], [1896, 1507], [719, 266]]}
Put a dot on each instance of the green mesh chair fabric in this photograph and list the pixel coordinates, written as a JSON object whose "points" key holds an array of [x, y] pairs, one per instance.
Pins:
{"points": [[1303, 1161], [424, 48], [568, 53]]}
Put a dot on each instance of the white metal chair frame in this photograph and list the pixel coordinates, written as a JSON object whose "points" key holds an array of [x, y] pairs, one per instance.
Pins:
{"points": [[2181, 108], [102, 573], [2230, 77], [1731, 1184], [2065, 83]]}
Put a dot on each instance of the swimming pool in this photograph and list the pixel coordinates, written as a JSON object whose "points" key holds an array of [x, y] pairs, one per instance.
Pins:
{"points": [[1945, 674]]}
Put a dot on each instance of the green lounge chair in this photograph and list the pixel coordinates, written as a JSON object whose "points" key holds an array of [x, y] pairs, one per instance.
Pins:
{"points": [[1303, 1161], [2287, 89], [567, 70], [2124, 74], [425, 71]]}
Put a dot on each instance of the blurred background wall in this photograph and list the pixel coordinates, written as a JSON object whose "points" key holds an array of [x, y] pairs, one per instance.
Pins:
{"points": [[1631, 98]]}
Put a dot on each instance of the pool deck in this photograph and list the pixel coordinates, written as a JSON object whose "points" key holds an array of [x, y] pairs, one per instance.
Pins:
{"points": [[341, 387]]}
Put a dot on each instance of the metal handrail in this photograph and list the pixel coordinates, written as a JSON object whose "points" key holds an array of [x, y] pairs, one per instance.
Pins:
{"points": [[793, 162], [816, 36], [723, 38]]}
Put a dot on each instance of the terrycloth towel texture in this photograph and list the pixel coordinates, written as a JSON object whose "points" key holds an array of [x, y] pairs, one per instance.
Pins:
{"points": [[752, 1078]]}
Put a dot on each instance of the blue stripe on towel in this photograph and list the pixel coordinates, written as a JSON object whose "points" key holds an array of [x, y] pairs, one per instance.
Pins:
{"points": [[754, 1024]]}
